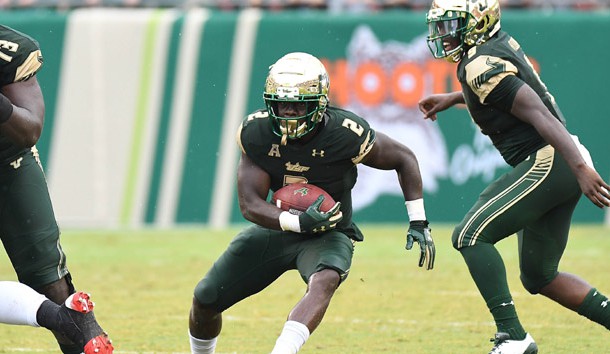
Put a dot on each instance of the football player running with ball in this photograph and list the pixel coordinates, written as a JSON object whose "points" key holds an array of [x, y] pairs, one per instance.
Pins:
{"points": [[28, 228], [300, 138], [551, 169]]}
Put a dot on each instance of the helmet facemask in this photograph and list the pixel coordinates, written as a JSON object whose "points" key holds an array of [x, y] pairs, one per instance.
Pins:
{"points": [[296, 95], [294, 116], [446, 38]]}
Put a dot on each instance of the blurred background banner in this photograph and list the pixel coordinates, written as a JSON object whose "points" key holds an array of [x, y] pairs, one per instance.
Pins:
{"points": [[143, 104]]}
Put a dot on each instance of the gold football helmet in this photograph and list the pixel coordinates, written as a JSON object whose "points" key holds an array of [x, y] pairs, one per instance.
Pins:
{"points": [[299, 79], [454, 24]]}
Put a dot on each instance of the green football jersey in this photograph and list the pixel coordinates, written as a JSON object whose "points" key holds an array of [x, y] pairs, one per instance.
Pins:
{"points": [[328, 160], [479, 73], [20, 59]]}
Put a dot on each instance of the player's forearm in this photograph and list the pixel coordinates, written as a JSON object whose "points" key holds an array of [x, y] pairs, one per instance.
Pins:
{"points": [[457, 97], [411, 185], [557, 136], [409, 177], [528, 107], [262, 213]]}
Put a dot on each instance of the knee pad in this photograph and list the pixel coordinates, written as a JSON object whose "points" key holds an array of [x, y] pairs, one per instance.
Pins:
{"points": [[467, 237], [206, 293], [534, 282], [455, 236]]}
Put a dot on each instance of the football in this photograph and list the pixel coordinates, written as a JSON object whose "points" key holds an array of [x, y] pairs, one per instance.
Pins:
{"points": [[297, 197]]}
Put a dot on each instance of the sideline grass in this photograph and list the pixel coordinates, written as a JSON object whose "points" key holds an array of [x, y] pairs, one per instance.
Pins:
{"points": [[142, 283]]}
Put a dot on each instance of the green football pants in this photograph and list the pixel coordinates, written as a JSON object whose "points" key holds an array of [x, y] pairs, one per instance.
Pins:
{"points": [[536, 200], [258, 256], [28, 228]]}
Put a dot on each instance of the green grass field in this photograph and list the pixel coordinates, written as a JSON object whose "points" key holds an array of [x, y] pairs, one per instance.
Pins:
{"points": [[142, 283]]}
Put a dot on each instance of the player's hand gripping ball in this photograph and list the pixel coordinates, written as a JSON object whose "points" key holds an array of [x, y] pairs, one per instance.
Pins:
{"points": [[295, 198]]}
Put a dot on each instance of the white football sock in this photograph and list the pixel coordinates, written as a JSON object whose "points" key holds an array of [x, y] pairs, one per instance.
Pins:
{"points": [[292, 338], [19, 304], [202, 346]]}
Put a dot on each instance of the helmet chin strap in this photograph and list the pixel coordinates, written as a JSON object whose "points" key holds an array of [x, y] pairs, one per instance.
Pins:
{"points": [[295, 132]]}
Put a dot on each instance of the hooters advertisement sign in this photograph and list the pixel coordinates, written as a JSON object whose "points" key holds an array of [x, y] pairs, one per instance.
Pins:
{"points": [[150, 118]]}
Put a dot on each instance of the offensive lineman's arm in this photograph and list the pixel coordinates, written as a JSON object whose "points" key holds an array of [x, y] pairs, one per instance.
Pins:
{"points": [[22, 107]]}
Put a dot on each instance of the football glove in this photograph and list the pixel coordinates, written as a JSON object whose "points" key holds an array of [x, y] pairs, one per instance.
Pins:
{"points": [[420, 232], [313, 220]]}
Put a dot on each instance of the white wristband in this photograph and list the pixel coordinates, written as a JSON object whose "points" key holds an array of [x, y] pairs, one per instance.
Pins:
{"points": [[289, 222], [415, 209]]}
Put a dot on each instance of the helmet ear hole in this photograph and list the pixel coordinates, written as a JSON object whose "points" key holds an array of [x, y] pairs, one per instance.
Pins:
{"points": [[323, 102], [482, 25]]}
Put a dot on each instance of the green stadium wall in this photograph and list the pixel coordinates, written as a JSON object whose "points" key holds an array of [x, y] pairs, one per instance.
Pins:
{"points": [[143, 105]]}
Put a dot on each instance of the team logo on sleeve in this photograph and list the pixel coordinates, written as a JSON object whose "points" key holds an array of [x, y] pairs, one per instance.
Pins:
{"points": [[365, 147], [485, 72]]}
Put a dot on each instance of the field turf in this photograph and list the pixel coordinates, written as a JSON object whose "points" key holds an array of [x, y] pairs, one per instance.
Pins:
{"points": [[142, 283]]}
